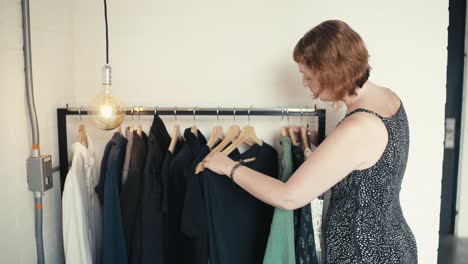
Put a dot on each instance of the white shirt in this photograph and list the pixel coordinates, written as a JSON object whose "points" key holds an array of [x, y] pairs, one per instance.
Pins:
{"points": [[81, 216]]}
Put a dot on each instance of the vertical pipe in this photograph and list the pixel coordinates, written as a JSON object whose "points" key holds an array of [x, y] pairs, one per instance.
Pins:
{"points": [[38, 228], [28, 77], [35, 152]]}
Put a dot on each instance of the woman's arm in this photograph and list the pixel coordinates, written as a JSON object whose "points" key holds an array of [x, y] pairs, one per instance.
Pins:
{"points": [[356, 141]]}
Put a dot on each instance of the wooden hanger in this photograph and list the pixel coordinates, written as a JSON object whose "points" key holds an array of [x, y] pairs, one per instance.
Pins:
{"points": [[194, 129], [249, 142], [82, 135], [139, 128], [284, 129], [174, 138], [231, 134], [305, 141], [217, 133], [247, 132], [132, 125], [284, 132], [292, 135], [175, 133]]}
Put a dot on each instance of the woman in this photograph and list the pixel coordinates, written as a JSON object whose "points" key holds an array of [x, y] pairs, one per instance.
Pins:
{"points": [[363, 160]]}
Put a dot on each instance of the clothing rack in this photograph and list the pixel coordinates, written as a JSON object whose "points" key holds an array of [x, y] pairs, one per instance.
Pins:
{"points": [[62, 114]]}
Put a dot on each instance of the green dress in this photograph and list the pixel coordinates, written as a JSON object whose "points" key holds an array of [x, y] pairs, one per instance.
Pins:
{"points": [[280, 248]]}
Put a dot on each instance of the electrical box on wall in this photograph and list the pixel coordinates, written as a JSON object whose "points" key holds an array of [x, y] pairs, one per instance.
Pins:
{"points": [[39, 171]]}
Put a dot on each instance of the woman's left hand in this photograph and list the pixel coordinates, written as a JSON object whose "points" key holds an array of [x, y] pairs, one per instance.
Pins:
{"points": [[219, 163]]}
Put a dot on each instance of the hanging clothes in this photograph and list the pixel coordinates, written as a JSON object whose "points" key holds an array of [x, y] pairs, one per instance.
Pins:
{"points": [[238, 223], [102, 174], [181, 249], [280, 248], [317, 213], [81, 216], [128, 152], [113, 234], [165, 171], [152, 217], [132, 196], [194, 218], [305, 244]]}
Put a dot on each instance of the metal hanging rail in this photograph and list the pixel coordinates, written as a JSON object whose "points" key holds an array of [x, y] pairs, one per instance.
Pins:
{"points": [[62, 114]]}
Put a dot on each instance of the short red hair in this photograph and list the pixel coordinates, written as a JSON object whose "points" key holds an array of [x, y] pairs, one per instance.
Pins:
{"points": [[336, 54]]}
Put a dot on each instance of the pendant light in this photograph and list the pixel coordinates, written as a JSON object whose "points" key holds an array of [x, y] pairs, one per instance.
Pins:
{"points": [[106, 109]]}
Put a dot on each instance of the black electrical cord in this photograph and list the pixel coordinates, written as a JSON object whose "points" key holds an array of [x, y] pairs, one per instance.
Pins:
{"points": [[107, 32]]}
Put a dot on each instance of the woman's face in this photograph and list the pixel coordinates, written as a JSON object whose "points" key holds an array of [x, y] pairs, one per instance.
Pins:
{"points": [[308, 78]]}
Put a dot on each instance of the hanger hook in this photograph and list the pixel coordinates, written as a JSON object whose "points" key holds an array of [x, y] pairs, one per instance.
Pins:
{"points": [[248, 114], [79, 112], [301, 116], [282, 116], [139, 111], [287, 114], [217, 113], [234, 114], [156, 110], [133, 109], [175, 113], [194, 111]]}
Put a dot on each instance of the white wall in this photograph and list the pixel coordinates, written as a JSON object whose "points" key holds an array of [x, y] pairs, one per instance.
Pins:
{"points": [[210, 53], [51, 40]]}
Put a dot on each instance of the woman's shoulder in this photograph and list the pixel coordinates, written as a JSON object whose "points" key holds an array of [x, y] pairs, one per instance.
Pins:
{"points": [[370, 136], [384, 105]]}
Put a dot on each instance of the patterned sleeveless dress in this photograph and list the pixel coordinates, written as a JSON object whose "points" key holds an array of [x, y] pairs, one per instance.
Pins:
{"points": [[364, 223]]}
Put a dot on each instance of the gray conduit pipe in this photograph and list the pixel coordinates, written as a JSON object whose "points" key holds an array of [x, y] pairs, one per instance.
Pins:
{"points": [[35, 152]]}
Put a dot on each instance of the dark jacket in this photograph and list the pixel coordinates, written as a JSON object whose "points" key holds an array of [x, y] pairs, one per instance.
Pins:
{"points": [[182, 248], [113, 234], [132, 197], [152, 217], [238, 223]]}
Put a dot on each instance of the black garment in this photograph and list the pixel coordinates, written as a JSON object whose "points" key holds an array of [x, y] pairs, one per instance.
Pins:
{"points": [[152, 217], [102, 175], [181, 248], [194, 218], [193, 222], [364, 222], [165, 171], [298, 156], [112, 230], [105, 158], [304, 240], [238, 223], [131, 197]]}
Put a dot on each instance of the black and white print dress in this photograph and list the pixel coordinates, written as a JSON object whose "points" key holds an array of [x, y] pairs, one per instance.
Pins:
{"points": [[364, 223]]}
